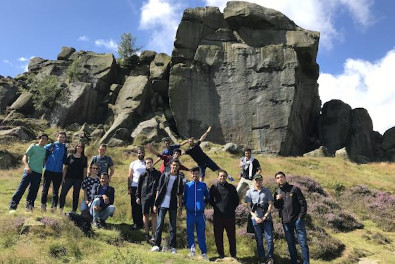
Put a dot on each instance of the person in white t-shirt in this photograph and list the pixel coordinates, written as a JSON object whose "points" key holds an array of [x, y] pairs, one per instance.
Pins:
{"points": [[136, 169]]}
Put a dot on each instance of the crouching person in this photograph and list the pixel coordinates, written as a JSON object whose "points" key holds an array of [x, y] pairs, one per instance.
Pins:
{"points": [[102, 201]]}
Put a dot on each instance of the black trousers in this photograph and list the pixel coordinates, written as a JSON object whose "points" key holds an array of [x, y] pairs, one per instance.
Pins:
{"points": [[56, 179], [137, 214], [68, 183], [229, 225]]}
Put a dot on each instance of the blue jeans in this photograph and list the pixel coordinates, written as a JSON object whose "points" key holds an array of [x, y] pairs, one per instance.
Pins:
{"points": [[300, 228], [83, 206], [267, 228], [159, 226], [33, 179], [102, 214], [198, 221]]}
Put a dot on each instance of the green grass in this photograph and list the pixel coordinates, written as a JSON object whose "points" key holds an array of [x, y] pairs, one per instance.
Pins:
{"points": [[121, 245]]}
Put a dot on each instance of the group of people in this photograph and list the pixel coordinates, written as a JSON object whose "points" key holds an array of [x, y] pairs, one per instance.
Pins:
{"points": [[155, 193]]}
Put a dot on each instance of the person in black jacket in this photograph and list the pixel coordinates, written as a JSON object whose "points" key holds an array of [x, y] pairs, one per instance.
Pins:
{"points": [[146, 192], [102, 197], [224, 200], [292, 207], [168, 197]]}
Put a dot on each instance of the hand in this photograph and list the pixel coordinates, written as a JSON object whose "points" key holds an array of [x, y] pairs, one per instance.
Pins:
{"points": [[279, 196], [97, 208], [87, 202], [106, 199], [258, 220], [154, 209], [28, 169], [208, 129], [138, 201]]}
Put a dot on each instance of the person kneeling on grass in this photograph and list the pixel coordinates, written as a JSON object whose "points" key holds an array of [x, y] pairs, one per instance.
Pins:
{"points": [[102, 196]]}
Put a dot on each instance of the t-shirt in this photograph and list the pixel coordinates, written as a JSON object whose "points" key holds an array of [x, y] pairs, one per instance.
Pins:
{"points": [[166, 200], [87, 184], [75, 167], [139, 168], [104, 163], [197, 153], [169, 151], [36, 155], [261, 198]]}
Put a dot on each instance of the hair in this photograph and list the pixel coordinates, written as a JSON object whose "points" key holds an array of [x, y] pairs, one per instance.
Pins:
{"points": [[83, 148], [247, 150], [43, 135], [140, 149], [149, 159], [62, 133], [178, 151], [223, 171], [191, 138], [176, 161], [166, 139], [103, 146], [280, 173], [95, 164], [195, 169], [104, 174]]}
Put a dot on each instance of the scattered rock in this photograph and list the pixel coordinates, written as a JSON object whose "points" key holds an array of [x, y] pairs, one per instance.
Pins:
{"points": [[342, 153], [9, 160], [233, 148], [24, 103], [65, 53], [20, 133], [320, 152]]}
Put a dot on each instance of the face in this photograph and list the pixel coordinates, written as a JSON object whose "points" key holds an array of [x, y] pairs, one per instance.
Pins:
{"points": [[102, 151], [94, 170], [191, 142], [42, 141], [258, 182], [176, 155], [149, 164], [280, 179], [79, 148], [104, 180], [195, 176], [222, 177], [174, 167], [247, 154], [167, 144], [140, 154], [61, 138]]}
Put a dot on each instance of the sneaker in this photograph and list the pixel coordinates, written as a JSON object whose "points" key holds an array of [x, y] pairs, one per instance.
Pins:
{"points": [[230, 178], [191, 254], [103, 223], [53, 210], [173, 250], [155, 249], [269, 261], [12, 211], [205, 257], [96, 225]]}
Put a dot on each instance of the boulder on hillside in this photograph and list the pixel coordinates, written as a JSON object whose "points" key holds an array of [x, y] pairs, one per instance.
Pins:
{"points": [[254, 93], [388, 139], [232, 148], [320, 152], [159, 68], [65, 53], [342, 153], [8, 93], [9, 160], [121, 137], [24, 103], [153, 129], [20, 133], [147, 56], [334, 125]]}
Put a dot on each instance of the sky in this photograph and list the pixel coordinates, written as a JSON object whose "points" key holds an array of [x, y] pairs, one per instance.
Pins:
{"points": [[356, 51]]}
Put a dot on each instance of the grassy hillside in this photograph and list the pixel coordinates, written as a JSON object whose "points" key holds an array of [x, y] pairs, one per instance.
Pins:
{"points": [[347, 222]]}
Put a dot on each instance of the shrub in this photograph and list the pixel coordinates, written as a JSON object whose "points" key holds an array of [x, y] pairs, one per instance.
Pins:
{"points": [[343, 222], [323, 246], [57, 250], [73, 72]]}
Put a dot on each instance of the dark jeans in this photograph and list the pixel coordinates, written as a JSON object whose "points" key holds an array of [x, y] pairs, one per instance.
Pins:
{"points": [[56, 179], [137, 214], [33, 179], [68, 183], [289, 230], [267, 228], [159, 226], [229, 225]]}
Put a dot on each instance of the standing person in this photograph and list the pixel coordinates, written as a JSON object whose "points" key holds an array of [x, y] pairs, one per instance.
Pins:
{"points": [[136, 169], [260, 202], [105, 162], [292, 207], [56, 157], [197, 154], [168, 196], [102, 205], [195, 196], [249, 167], [165, 167], [146, 192], [224, 200], [74, 172], [33, 161], [87, 185]]}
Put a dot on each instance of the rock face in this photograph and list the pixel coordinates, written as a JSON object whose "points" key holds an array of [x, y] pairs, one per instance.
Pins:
{"points": [[250, 73], [388, 145], [8, 92]]}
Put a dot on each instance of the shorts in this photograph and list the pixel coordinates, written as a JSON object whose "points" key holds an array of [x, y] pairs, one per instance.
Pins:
{"points": [[147, 206]]}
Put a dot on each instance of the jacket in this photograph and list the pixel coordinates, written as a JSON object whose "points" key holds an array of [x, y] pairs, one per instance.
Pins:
{"points": [[177, 190], [110, 193], [148, 184], [56, 156], [224, 199], [293, 204], [195, 196]]}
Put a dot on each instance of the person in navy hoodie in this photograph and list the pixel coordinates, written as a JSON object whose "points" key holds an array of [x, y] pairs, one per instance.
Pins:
{"points": [[56, 157], [195, 196]]}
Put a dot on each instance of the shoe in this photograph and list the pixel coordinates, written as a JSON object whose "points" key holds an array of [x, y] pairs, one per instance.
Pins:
{"points": [[221, 256], [103, 223], [155, 249], [173, 250], [43, 207], [29, 208], [191, 254], [12, 211], [269, 261], [53, 210], [147, 237], [230, 178], [96, 225], [205, 257]]}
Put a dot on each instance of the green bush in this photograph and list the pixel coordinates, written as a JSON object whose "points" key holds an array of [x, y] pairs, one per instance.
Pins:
{"points": [[73, 72]]}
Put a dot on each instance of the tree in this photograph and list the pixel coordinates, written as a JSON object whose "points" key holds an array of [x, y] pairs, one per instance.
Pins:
{"points": [[127, 48]]}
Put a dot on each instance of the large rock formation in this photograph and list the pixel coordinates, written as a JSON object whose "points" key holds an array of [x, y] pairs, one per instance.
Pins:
{"points": [[8, 92], [250, 73]]}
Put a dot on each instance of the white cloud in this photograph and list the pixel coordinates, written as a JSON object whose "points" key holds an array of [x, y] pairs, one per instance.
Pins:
{"points": [[23, 59], [365, 84], [317, 15], [163, 17], [7, 61], [108, 44], [83, 38]]}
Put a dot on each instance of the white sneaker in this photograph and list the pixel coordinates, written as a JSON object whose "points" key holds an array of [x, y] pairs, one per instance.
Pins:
{"points": [[191, 254], [155, 249], [205, 257], [173, 250], [12, 211]]}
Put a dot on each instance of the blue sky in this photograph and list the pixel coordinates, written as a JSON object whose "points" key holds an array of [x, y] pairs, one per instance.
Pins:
{"points": [[356, 53]]}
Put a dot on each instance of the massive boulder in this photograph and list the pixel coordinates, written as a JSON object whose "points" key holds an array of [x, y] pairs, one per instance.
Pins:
{"points": [[250, 73], [8, 92], [334, 125], [388, 145]]}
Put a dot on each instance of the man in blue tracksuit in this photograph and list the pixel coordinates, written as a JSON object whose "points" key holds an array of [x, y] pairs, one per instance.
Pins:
{"points": [[195, 196]]}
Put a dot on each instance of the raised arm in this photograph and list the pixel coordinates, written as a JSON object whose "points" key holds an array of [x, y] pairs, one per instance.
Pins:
{"points": [[203, 137]]}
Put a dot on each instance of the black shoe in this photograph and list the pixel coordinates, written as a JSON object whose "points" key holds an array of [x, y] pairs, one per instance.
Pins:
{"points": [[221, 256], [96, 225], [103, 224]]}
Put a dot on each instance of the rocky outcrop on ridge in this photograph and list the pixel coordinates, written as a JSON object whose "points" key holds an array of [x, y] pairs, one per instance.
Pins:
{"points": [[250, 73]]}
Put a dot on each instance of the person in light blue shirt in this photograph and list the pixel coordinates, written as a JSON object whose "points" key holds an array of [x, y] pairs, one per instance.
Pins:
{"points": [[195, 196]]}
